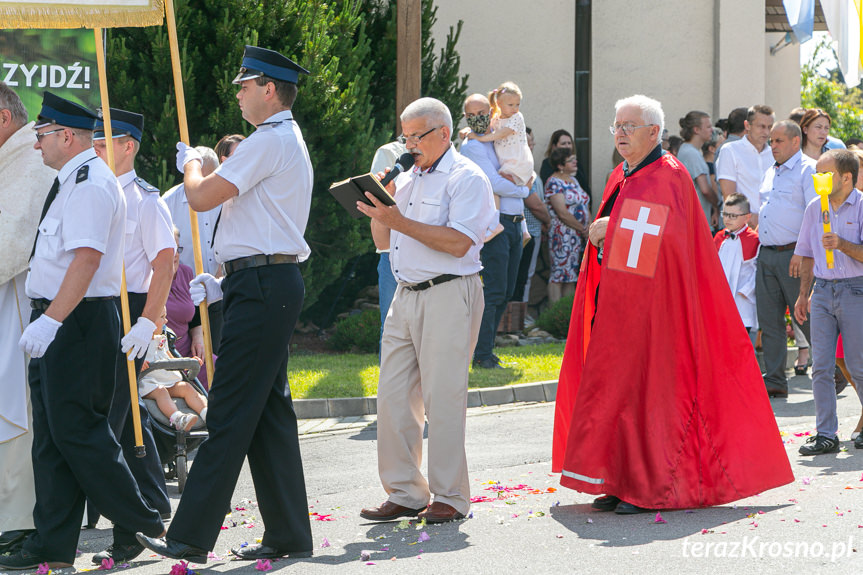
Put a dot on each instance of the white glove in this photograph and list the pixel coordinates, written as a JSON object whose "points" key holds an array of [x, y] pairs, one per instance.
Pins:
{"points": [[136, 342], [186, 154], [205, 286], [38, 336]]}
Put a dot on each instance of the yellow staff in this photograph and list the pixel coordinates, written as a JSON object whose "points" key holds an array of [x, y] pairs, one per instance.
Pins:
{"points": [[140, 450], [193, 216], [823, 187]]}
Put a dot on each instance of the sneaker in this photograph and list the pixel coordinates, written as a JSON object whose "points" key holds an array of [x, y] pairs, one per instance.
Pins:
{"points": [[820, 444], [488, 363], [185, 421]]}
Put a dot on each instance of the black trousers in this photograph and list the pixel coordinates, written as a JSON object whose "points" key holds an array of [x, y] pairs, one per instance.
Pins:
{"points": [[147, 471], [214, 311], [75, 453], [251, 413]]}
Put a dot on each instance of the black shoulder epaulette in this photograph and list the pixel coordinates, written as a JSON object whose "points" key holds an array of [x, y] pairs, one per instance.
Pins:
{"points": [[142, 183], [83, 174]]}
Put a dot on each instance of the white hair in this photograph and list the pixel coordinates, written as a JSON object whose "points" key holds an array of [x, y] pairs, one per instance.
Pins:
{"points": [[434, 110], [209, 158], [651, 111]]}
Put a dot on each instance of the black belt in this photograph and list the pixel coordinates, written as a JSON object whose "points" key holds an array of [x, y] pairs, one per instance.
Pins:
{"points": [[257, 261], [42, 304], [441, 279], [784, 248], [513, 219]]}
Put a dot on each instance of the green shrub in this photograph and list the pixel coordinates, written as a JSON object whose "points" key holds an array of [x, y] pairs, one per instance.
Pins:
{"points": [[358, 332], [555, 318]]}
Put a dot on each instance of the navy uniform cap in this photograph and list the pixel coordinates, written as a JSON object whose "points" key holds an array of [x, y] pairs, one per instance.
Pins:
{"points": [[123, 123], [259, 62], [57, 110]]}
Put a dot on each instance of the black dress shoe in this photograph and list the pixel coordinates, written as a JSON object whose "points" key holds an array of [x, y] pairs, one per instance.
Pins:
{"points": [[777, 392], [258, 551], [119, 553], [858, 442], [624, 508], [21, 559], [605, 503], [10, 540], [173, 549]]}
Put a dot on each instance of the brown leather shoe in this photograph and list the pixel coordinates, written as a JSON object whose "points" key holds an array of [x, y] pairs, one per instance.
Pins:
{"points": [[439, 512], [389, 511]]}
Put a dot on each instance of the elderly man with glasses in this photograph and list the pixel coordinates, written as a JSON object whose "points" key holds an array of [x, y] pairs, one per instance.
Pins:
{"points": [[444, 208], [650, 405]]}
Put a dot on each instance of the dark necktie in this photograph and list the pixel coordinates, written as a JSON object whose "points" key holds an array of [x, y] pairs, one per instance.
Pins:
{"points": [[52, 194], [730, 235], [215, 227]]}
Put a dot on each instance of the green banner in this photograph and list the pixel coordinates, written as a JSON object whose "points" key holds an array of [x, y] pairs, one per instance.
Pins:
{"points": [[62, 62]]}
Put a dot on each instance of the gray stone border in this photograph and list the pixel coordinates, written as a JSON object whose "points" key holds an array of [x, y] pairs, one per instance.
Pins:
{"points": [[540, 391]]}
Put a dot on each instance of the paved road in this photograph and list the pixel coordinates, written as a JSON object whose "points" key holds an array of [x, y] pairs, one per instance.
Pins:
{"points": [[543, 529]]}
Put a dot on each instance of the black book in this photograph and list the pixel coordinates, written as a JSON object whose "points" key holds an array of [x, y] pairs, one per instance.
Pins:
{"points": [[349, 192]]}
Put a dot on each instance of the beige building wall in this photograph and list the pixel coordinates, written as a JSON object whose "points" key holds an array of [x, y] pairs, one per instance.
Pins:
{"points": [[531, 44], [662, 49], [739, 59], [709, 55], [782, 78]]}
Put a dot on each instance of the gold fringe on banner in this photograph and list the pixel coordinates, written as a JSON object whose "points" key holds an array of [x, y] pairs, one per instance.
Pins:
{"points": [[81, 14]]}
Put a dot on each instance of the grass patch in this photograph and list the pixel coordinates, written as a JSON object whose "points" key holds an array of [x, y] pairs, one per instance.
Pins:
{"points": [[356, 375]]}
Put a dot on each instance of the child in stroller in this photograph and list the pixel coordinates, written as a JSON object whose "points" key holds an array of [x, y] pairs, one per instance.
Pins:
{"points": [[162, 386]]}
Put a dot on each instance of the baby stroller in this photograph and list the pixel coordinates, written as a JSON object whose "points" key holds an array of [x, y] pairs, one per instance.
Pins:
{"points": [[174, 446]]}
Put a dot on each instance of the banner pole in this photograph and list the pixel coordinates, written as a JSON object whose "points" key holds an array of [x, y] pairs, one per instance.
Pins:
{"points": [[140, 450], [193, 216]]}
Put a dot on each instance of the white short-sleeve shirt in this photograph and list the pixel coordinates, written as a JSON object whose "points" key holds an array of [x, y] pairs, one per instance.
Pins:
{"points": [[273, 173], [741, 163], [178, 205], [88, 212], [456, 194], [149, 230]]}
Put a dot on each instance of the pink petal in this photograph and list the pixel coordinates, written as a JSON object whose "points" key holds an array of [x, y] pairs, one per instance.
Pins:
{"points": [[659, 519]]}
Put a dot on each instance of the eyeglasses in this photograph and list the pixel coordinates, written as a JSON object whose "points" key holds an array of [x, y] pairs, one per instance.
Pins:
{"points": [[626, 129], [731, 216], [49, 132], [179, 249], [414, 139]]}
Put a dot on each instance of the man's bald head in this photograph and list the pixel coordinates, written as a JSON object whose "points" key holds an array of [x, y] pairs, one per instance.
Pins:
{"points": [[476, 100]]}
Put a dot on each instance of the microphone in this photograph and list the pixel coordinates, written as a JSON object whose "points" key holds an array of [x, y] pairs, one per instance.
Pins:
{"points": [[405, 162]]}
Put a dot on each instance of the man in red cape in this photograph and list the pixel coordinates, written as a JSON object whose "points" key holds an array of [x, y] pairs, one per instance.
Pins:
{"points": [[660, 403]]}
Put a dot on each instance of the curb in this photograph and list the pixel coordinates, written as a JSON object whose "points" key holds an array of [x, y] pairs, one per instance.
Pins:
{"points": [[540, 391]]}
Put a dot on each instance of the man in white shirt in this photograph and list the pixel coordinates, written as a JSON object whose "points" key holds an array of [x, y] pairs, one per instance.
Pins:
{"points": [[148, 259], [72, 341], [444, 206], [178, 205], [265, 189], [743, 163]]}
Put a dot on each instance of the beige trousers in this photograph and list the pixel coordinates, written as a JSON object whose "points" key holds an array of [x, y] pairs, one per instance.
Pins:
{"points": [[428, 342]]}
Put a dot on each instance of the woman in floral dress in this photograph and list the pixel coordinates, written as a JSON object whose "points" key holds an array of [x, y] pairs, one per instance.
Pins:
{"points": [[570, 214]]}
